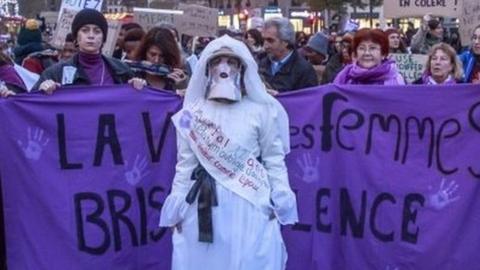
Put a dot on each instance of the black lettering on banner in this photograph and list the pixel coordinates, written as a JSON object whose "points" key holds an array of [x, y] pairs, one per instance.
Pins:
{"points": [[476, 126], [157, 234], [421, 130], [294, 131], [441, 136], [155, 153], [385, 126], [348, 217], [307, 130], [347, 214], [119, 204], [410, 216], [359, 122], [117, 215], [327, 127], [92, 218], [300, 226], [322, 227], [106, 123], [62, 145], [143, 216], [384, 237]]}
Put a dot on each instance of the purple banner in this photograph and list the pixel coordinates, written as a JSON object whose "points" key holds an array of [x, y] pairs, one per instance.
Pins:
{"points": [[386, 178], [84, 174]]}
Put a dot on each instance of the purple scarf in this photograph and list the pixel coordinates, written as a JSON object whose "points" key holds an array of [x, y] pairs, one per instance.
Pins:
{"points": [[427, 76], [385, 74], [95, 68], [9, 75]]}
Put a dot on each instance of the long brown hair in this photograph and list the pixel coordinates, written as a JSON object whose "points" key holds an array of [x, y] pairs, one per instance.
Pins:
{"points": [[4, 59], [165, 41]]}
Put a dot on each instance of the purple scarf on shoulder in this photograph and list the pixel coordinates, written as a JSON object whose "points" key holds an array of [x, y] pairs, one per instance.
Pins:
{"points": [[384, 74], [427, 76], [9, 75]]}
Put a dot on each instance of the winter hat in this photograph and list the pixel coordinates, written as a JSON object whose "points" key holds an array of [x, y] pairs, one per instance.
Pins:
{"points": [[433, 24], [319, 43], [89, 16], [30, 33]]}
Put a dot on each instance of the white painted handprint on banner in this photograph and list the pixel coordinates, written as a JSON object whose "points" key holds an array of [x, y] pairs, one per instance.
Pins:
{"points": [[35, 144], [138, 170], [309, 168], [444, 196]]}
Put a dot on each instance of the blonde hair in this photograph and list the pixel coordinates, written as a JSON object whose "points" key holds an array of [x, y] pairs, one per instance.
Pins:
{"points": [[31, 24], [457, 71]]}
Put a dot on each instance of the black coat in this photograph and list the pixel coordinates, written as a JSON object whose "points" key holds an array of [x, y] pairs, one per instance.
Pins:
{"points": [[121, 73], [296, 73]]}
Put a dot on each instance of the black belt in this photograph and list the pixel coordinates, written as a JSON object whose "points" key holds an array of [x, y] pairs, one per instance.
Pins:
{"points": [[204, 186]]}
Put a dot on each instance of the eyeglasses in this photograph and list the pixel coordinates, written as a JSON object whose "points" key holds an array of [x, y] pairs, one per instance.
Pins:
{"points": [[369, 49]]}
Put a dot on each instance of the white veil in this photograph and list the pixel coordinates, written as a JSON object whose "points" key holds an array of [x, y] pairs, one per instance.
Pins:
{"points": [[254, 86]]}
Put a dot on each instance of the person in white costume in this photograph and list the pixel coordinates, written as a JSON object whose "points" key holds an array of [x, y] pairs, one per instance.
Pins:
{"points": [[230, 192]]}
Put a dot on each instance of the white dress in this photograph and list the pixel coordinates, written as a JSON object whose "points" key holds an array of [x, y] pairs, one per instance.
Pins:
{"points": [[244, 238]]}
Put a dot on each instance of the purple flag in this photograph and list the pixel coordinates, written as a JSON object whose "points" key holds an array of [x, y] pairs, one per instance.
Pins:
{"points": [[386, 178]]}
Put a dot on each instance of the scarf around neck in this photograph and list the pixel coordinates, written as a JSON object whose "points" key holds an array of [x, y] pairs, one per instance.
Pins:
{"points": [[385, 73], [428, 79]]}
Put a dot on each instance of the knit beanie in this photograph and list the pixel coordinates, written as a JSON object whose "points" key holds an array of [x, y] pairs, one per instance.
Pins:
{"points": [[319, 43], [89, 16], [30, 33], [433, 24]]}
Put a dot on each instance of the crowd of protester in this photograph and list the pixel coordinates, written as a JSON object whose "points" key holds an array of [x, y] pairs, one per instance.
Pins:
{"points": [[287, 60]]}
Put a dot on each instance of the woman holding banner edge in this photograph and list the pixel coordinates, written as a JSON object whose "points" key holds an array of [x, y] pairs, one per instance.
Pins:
{"points": [[89, 66]]}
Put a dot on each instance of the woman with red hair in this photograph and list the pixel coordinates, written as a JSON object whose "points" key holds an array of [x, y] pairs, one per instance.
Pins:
{"points": [[371, 65]]}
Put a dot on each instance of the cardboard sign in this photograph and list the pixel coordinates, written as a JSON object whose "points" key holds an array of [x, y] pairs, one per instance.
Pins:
{"points": [[409, 8], [469, 19], [114, 28], [81, 4], [197, 20], [64, 26], [411, 66], [149, 17], [51, 18]]}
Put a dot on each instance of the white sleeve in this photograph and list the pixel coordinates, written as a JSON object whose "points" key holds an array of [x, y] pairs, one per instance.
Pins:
{"points": [[273, 158], [175, 206]]}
